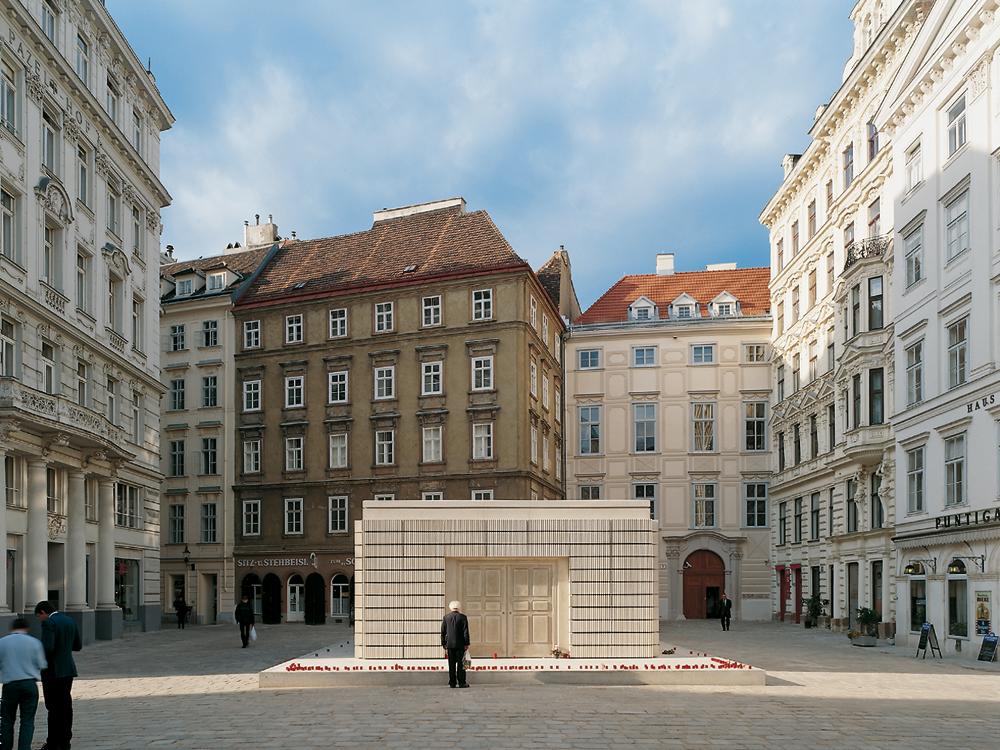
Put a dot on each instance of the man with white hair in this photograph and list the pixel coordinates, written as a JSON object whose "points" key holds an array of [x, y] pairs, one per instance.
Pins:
{"points": [[455, 642]]}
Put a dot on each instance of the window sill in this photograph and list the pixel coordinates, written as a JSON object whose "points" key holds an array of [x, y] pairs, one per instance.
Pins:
{"points": [[952, 157], [956, 257]]}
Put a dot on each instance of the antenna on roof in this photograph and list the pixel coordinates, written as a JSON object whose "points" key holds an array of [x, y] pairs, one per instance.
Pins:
{"points": [[257, 218]]}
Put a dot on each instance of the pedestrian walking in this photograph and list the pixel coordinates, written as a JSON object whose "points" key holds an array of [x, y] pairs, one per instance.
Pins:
{"points": [[245, 618], [455, 642], [725, 611], [60, 638], [22, 660], [182, 609]]}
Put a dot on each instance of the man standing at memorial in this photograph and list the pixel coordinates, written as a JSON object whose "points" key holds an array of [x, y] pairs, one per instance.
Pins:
{"points": [[60, 638], [455, 642], [725, 611]]}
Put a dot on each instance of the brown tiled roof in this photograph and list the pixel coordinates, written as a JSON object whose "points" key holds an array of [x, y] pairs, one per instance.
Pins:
{"points": [[550, 277], [442, 242], [242, 263], [748, 285]]}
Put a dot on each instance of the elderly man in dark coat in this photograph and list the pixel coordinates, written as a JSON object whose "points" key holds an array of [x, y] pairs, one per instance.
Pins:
{"points": [[455, 642]]}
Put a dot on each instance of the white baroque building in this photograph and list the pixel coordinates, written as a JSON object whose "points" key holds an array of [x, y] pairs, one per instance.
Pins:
{"points": [[832, 489], [942, 113], [80, 122]]}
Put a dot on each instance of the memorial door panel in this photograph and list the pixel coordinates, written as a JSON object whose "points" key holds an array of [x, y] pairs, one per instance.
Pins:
{"points": [[531, 610], [483, 594]]}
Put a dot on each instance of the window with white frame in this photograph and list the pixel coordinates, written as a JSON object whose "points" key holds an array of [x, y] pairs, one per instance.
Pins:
{"points": [[176, 524], [210, 390], [545, 328], [209, 333], [337, 391], [111, 393], [956, 125], [293, 515], [336, 514], [533, 378], [385, 382], [755, 504], [703, 426], [177, 399], [590, 429], [385, 447], [702, 354], [209, 523], [112, 99], [209, 455], [683, 311], [915, 480], [643, 356], [184, 288], [913, 254], [482, 373], [55, 490], [534, 444], [482, 304], [915, 373], [338, 323], [50, 142], [128, 505], [338, 450], [754, 353], [545, 391], [482, 441], [383, 317], [49, 379], [482, 495], [82, 384], [49, 15], [113, 221], [432, 444], [431, 381], [8, 98], [251, 518], [954, 470], [251, 456], [956, 217], [914, 167], [215, 282], [176, 457], [755, 425], [137, 246], [590, 492], [533, 312], [644, 427], [546, 455], [431, 311], [294, 391], [8, 225], [83, 175], [251, 334], [293, 329], [704, 515], [432, 497], [384, 497], [557, 403], [958, 352], [589, 359], [293, 453], [251, 395], [646, 491], [724, 309]]}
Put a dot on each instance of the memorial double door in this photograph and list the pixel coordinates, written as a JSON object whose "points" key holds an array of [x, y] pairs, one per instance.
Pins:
{"points": [[511, 607]]}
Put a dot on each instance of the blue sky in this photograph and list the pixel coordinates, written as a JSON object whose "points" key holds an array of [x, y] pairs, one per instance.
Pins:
{"points": [[617, 129]]}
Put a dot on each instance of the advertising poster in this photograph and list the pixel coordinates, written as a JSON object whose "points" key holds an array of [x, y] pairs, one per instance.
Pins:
{"points": [[984, 617]]}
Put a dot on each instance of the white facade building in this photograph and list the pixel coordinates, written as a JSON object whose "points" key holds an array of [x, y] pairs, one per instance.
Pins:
{"points": [[80, 122], [832, 494], [198, 338], [943, 115], [668, 387]]}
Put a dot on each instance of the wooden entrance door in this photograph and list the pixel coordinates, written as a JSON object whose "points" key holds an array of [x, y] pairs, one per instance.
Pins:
{"points": [[510, 606], [704, 577]]}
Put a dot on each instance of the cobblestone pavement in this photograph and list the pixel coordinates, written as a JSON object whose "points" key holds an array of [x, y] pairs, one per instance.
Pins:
{"points": [[197, 689]]}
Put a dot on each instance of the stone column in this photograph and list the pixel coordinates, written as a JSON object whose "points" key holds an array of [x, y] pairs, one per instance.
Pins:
{"points": [[4, 604], [109, 616], [76, 556], [36, 543]]}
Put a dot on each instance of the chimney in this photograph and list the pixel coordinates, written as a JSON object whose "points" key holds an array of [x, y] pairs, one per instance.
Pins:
{"points": [[257, 234], [720, 267], [664, 264], [167, 256]]}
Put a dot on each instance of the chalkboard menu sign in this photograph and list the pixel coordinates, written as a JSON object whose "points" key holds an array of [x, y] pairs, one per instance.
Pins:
{"points": [[988, 652], [928, 637]]}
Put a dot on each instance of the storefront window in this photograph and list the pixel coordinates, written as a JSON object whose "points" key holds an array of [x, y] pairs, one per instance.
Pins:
{"points": [[918, 604], [127, 588], [958, 607], [340, 595]]}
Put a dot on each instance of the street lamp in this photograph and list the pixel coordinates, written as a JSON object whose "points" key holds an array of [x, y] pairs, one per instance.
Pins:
{"points": [[916, 567], [187, 557]]}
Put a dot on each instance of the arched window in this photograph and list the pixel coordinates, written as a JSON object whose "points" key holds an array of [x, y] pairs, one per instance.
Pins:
{"points": [[340, 595]]}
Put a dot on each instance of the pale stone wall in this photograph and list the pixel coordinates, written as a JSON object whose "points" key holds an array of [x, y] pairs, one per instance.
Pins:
{"points": [[403, 587]]}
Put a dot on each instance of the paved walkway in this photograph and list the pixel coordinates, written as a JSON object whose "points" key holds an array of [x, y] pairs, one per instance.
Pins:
{"points": [[196, 689]]}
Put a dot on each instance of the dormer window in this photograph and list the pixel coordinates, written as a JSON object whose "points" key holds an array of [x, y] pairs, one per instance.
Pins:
{"points": [[724, 309], [216, 282], [683, 311], [725, 305], [184, 287], [642, 309], [643, 313]]}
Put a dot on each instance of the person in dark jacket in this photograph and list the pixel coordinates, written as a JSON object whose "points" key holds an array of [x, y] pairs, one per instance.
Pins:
{"points": [[60, 638], [244, 616], [455, 642], [725, 610], [181, 608]]}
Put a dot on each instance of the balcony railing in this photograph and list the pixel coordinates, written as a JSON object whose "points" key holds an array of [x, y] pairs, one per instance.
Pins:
{"points": [[27, 402], [873, 247]]}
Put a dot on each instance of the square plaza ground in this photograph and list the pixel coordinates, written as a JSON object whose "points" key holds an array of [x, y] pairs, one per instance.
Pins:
{"points": [[197, 689]]}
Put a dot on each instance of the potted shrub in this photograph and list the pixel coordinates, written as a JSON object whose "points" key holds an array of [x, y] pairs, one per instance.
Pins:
{"points": [[868, 619], [814, 610]]}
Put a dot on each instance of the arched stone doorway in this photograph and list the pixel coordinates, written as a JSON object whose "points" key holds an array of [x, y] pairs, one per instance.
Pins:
{"points": [[254, 591], [704, 582], [270, 606], [315, 604]]}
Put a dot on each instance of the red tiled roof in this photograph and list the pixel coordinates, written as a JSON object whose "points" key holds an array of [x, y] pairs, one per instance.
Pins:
{"points": [[242, 263], [446, 241], [748, 285]]}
